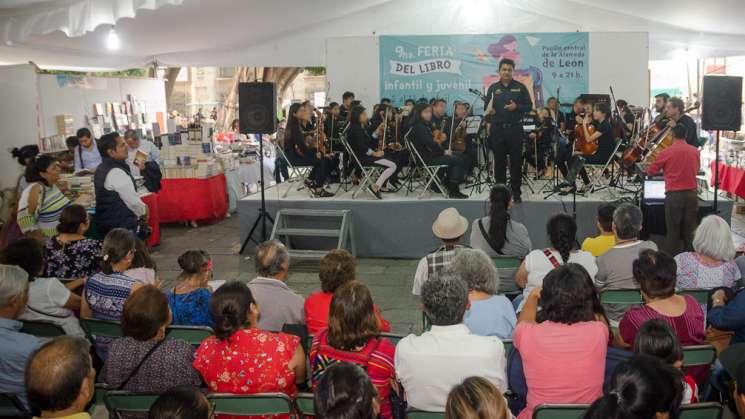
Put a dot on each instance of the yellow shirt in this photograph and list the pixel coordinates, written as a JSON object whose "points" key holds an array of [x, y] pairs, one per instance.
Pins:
{"points": [[81, 415], [599, 245]]}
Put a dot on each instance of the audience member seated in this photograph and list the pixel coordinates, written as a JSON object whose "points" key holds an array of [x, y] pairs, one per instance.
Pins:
{"points": [[42, 202], [562, 234], [430, 365], [336, 268], [615, 265], [656, 338], [655, 273], [181, 402], [48, 298], [489, 314], [190, 298], [476, 398], [711, 264], [143, 267], [352, 336], [733, 362], [15, 346], [279, 304], [728, 315], [449, 227], [505, 236], [563, 347], [642, 387], [144, 361], [243, 359], [345, 391], [60, 379], [106, 291], [606, 239], [70, 254]]}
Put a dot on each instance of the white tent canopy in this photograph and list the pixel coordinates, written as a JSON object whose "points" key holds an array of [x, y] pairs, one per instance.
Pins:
{"points": [[72, 33]]}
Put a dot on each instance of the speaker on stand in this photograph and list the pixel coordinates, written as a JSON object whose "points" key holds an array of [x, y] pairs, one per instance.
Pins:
{"points": [[721, 111], [257, 114]]}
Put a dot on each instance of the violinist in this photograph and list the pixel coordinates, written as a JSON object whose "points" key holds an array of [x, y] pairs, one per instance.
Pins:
{"points": [[626, 115], [675, 112], [367, 149], [439, 113], [332, 124], [462, 142], [602, 135], [565, 148], [432, 151], [392, 145], [555, 113], [346, 104], [301, 150], [539, 141]]}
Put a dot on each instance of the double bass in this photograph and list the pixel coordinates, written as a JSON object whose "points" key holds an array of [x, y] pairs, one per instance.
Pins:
{"points": [[582, 144]]}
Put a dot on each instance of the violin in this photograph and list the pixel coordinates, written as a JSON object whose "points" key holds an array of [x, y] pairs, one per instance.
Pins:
{"points": [[439, 135], [582, 144]]}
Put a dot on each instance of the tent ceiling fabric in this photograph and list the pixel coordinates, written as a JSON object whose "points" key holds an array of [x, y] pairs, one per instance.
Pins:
{"points": [[71, 33]]}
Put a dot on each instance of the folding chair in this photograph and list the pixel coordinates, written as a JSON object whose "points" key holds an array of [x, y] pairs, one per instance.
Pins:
{"points": [[368, 172], [42, 328], [628, 297], [597, 181], [429, 172], [701, 411], [560, 411], [11, 407], [192, 334], [508, 346], [101, 328], [507, 267], [696, 355], [421, 414], [118, 402], [297, 173], [304, 404], [251, 404]]}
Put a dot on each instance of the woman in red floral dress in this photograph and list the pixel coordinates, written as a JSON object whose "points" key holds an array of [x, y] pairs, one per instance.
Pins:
{"points": [[242, 359]]}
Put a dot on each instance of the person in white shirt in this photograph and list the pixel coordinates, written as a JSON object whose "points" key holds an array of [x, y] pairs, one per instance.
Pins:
{"points": [[430, 365], [118, 205], [86, 156], [135, 144]]}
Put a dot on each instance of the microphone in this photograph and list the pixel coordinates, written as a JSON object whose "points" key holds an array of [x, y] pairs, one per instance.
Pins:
{"points": [[475, 92]]}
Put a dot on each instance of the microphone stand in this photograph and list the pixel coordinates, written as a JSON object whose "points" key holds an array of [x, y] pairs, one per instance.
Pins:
{"points": [[554, 181]]}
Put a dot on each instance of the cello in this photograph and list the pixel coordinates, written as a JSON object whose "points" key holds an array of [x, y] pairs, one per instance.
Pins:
{"points": [[582, 144]]}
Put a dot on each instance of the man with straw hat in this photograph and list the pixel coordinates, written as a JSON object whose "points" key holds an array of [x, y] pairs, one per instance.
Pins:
{"points": [[450, 227]]}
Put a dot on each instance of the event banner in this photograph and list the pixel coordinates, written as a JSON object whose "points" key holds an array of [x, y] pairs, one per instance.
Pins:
{"points": [[447, 66]]}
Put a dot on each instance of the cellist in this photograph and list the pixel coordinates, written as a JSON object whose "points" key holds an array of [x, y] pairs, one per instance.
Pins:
{"points": [[601, 134]]}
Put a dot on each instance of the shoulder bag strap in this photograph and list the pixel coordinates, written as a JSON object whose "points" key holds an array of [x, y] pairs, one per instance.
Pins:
{"points": [[551, 258], [486, 236], [137, 368]]}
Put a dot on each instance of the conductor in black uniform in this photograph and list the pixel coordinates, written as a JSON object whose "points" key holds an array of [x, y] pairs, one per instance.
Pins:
{"points": [[506, 102]]}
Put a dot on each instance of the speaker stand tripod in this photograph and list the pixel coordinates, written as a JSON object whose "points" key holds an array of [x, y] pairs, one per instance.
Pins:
{"points": [[263, 215]]}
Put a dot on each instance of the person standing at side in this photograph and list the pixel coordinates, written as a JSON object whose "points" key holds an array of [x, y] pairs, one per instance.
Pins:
{"points": [[679, 163], [506, 102]]}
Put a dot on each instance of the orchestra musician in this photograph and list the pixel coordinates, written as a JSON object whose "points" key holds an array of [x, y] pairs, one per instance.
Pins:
{"points": [[552, 105], [432, 151], [599, 119], [368, 150], [346, 104], [392, 149], [462, 142], [565, 148], [302, 150], [333, 124], [675, 112], [506, 102], [660, 102], [439, 114], [539, 141], [626, 115]]}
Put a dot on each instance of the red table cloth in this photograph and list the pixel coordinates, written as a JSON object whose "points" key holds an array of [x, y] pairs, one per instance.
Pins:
{"points": [[192, 199], [731, 179], [151, 200]]}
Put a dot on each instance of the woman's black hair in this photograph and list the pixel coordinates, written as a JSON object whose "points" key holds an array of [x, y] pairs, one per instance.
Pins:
{"points": [[562, 233], [656, 273], [416, 114], [639, 389], [568, 296], [603, 108], [293, 124], [27, 254], [39, 165], [24, 154], [344, 392], [230, 306], [656, 338], [71, 218], [499, 217], [116, 245], [354, 115], [180, 402]]}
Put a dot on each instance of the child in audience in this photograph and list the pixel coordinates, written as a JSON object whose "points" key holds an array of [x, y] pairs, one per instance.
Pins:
{"points": [[600, 244], [476, 398], [657, 339], [190, 298]]}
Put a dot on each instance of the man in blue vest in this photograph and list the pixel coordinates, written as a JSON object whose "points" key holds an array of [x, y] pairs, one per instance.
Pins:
{"points": [[118, 205]]}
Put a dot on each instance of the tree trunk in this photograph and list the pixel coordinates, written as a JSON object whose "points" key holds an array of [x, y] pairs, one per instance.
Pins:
{"points": [[171, 75]]}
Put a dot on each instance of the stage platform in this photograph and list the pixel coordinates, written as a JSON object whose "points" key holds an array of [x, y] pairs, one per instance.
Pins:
{"points": [[400, 225]]}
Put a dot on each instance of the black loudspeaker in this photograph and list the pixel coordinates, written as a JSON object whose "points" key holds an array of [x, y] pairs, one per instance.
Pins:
{"points": [[722, 103], [257, 108]]}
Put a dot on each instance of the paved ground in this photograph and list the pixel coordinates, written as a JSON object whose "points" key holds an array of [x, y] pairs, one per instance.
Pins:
{"points": [[389, 280]]}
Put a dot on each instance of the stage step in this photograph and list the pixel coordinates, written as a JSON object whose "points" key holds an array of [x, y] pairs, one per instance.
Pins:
{"points": [[293, 223]]}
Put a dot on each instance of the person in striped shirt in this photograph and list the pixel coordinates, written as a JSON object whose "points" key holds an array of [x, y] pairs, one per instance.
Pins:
{"points": [[42, 201]]}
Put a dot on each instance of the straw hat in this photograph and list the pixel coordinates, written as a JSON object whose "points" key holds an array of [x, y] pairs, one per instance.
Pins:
{"points": [[450, 224]]}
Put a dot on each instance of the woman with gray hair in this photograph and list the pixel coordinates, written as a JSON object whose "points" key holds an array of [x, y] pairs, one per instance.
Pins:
{"points": [[711, 264], [490, 314]]}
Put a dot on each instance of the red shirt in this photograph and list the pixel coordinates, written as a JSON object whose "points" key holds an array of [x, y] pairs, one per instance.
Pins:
{"points": [[317, 307], [679, 163]]}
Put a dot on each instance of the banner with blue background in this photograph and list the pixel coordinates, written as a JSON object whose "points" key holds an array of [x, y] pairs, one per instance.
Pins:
{"points": [[446, 66]]}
